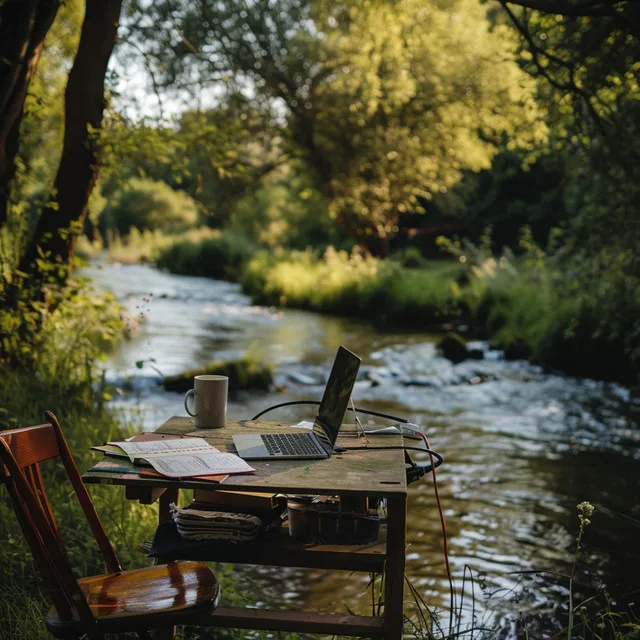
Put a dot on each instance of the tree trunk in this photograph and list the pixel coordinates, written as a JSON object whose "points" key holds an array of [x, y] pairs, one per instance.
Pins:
{"points": [[61, 220], [378, 246], [23, 27]]}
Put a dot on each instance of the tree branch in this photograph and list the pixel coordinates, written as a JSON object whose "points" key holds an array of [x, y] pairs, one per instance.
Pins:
{"points": [[590, 8]]}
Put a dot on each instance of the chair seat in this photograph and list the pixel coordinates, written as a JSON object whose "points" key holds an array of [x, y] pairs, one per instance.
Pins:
{"points": [[144, 598]]}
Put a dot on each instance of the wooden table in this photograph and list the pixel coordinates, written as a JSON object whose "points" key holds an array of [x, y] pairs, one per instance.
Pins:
{"points": [[353, 473]]}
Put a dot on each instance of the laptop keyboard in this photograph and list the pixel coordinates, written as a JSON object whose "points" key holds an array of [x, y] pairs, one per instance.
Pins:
{"points": [[292, 444]]}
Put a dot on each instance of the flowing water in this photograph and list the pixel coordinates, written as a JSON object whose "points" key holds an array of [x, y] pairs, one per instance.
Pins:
{"points": [[522, 447]]}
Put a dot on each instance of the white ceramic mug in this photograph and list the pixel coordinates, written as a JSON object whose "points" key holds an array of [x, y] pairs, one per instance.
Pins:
{"points": [[209, 400]]}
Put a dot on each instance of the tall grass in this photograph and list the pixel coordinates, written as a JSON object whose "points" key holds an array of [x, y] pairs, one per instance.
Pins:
{"points": [[148, 245], [139, 246], [557, 313], [576, 316], [355, 285]]}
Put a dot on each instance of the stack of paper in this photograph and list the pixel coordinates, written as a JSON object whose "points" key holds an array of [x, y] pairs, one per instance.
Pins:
{"points": [[178, 458], [200, 524]]}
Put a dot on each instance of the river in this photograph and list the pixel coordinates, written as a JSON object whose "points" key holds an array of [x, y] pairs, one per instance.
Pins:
{"points": [[522, 447]]}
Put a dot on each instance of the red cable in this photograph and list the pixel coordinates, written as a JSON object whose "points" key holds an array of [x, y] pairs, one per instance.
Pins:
{"points": [[443, 525]]}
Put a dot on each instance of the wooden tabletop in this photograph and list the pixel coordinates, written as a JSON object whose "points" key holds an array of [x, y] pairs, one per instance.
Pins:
{"points": [[371, 473]]}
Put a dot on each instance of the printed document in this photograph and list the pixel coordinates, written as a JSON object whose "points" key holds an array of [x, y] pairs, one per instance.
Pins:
{"points": [[201, 464], [183, 458], [152, 448]]}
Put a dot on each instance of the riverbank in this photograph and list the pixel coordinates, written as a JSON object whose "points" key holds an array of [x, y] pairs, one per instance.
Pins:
{"points": [[85, 421], [58, 372], [520, 444], [527, 306]]}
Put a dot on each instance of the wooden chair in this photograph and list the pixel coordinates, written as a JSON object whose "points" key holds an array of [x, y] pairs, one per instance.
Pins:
{"points": [[120, 601]]}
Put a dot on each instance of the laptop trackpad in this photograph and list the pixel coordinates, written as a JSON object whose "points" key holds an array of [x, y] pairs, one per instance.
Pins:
{"points": [[250, 446]]}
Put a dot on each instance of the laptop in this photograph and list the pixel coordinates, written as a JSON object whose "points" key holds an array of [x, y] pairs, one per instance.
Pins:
{"points": [[319, 442]]}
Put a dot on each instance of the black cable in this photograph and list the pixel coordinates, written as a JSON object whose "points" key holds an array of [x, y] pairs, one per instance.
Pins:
{"points": [[439, 458], [435, 454], [367, 412]]}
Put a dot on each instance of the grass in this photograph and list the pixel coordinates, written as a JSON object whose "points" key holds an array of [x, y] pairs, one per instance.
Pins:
{"points": [[140, 246], [562, 317], [562, 320], [340, 283], [85, 421]]}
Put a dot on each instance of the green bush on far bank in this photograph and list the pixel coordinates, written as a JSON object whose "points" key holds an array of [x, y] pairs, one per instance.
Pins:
{"points": [[561, 315], [220, 256], [149, 204], [382, 292]]}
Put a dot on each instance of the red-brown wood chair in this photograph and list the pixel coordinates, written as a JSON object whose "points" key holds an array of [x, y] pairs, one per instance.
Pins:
{"points": [[120, 601]]}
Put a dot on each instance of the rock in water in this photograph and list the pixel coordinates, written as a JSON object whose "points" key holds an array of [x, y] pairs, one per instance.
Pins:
{"points": [[243, 374], [453, 347]]}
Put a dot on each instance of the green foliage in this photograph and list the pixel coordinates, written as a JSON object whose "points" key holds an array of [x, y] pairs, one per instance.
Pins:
{"points": [[59, 334], [384, 102], [412, 102], [410, 258], [217, 257], [146, 204], [508, 196], [243, 374], [556, 312], [587, 68], [216, 156], [354, 285], [146, 246], [286, 212]]}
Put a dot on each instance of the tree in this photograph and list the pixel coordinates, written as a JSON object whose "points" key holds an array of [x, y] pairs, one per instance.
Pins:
{"points": [[385, 102], [23, 27], [586, 56], [61, 220]]}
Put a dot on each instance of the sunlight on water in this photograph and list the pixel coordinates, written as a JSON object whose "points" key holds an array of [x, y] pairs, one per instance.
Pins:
{"points": [[522, 447]]}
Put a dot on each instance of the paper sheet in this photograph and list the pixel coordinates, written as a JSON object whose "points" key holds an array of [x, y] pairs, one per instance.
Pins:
{"points": [[187, 466], [152, 448]]}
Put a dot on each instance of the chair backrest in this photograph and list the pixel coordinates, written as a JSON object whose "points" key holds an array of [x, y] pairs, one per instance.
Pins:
{"points": [[21, 452]]}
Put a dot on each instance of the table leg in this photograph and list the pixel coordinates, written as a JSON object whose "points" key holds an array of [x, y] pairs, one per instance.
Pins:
{"points": [[394, 568], [170, 495]]}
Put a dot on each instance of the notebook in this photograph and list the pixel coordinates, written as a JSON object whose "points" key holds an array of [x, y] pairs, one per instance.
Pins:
{"points": [[319, 442], [180, 458]]}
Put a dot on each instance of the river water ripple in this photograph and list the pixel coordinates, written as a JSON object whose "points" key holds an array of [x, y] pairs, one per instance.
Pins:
{"points": [[522, 447]]}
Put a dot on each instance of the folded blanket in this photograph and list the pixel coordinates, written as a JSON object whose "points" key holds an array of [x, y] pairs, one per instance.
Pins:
{"points": [[200, 524]]}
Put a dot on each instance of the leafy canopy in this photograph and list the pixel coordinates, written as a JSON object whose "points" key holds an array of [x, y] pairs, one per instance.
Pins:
{"points": [[386, 102]]}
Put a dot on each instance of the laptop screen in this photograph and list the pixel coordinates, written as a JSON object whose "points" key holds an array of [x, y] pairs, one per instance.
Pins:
{"points": [[336, 396]]}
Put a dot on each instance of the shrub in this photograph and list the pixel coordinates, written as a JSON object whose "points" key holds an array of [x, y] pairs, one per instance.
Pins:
{"points": [[147, 204], [354, 285], [222, 257], [558, 313], [411, 258], [59, 335], [146, 246]]}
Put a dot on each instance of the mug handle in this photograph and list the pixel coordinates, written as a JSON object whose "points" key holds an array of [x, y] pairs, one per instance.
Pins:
{"points": [[191, 392]]}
